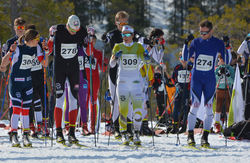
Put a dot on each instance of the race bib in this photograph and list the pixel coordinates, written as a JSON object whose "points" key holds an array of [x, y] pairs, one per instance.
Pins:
{"points": [[36, 65], [81, 63], [87, 65], [204, 62], [68, 50], [26, 62], [183, 76], [129, 61]]}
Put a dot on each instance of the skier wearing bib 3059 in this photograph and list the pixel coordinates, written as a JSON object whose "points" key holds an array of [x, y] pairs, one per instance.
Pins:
{"points": [[205, 50], [67, 38]]}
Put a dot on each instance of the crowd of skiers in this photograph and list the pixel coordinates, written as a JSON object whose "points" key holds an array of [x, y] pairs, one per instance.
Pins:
{"points": [[136, 67]]}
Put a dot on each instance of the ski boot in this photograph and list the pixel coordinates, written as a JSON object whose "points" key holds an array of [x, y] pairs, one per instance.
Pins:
{"points": [[85, 131], [14, 139], [145, 130], [204, 139], [66, 129], [183, 129], [33, 131], [130, 131], [71, 137], [125, 137], [190, 139], [26, 140], [175, 129], [59, 136], [117, 133], [217, 127], [137, 140]]}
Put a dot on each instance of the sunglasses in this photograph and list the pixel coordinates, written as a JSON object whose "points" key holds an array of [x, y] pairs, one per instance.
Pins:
{"points": [[20, 27], [121, 24], [204, 32], [126, 35], [37, 38]]}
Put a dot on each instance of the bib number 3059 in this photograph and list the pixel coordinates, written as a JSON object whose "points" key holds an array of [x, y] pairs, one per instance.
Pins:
{"points": [[204, 62], [68, 50]]}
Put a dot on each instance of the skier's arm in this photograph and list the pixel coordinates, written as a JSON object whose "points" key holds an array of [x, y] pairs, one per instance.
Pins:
{"points": [[188, 52], [113, 59]]}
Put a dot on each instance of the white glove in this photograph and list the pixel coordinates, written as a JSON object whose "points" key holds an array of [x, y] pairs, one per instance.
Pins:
{"points": [[91, 30]]}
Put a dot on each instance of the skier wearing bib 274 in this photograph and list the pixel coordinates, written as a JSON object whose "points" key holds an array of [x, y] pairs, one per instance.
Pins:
{"points": [[205, 50]]}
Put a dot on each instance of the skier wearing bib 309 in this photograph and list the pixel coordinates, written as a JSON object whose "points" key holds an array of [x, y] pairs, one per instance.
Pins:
{"points": [[128, 55], [20, 88], [67, 38], [205, 50]]}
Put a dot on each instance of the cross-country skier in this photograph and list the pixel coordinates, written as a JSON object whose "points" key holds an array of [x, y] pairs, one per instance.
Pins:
{"points": [[37, 75], [96, 65], [113, 37], [181, 78], [67, 38], [20, 87], [19, 27], [205, 50], [127, 56]]}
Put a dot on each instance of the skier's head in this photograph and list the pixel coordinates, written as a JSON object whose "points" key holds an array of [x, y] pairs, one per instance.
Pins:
{"points": [[73, 24], [30, 38], [206, 29], [127, 33], [156, 36], [19, 26], [121, 19]]}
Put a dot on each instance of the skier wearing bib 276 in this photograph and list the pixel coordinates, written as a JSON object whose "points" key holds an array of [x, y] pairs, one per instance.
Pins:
{"points": [[127, 56], [67, 40], [205, 50]]}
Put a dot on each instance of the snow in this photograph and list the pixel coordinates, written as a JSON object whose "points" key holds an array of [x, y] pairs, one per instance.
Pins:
{"points": [[165, 150]]}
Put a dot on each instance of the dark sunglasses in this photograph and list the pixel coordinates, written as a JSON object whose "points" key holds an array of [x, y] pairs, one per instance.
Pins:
{"points": [[126, 35], [122, 23], [204, 32], [20, 27]]}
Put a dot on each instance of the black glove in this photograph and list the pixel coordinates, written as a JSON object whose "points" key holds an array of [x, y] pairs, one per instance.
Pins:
{"points": [[189, 38], [226, 40], [104, 37], [93, 61]]}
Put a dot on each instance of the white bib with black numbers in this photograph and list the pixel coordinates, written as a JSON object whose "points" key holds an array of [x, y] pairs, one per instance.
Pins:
{"points": [[68, 50], [183, 76], [26, 62], [36, 65], [204, 62], [129, 62], [81, 63], [87, 65]]}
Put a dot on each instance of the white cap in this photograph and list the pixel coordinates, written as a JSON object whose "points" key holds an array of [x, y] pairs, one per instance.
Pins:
{"points": [[127, 28], [74, 22]]}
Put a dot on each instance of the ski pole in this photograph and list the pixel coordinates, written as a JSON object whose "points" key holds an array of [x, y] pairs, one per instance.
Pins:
{"points": [[113, 99], [45, 86]]}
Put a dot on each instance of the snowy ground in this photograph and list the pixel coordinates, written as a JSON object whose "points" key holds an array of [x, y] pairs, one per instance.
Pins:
{"points": [[165, 150]]}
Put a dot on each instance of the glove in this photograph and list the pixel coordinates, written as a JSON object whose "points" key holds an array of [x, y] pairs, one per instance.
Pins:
{"points": [[104, 37], [118, 54], [91, 30], [93, 61], [189, 38], [106, 96], [146, 56], [52, 30], [247, 37], [178, 88]]}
